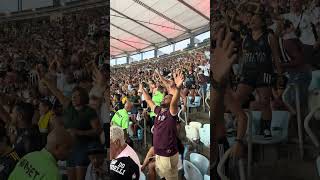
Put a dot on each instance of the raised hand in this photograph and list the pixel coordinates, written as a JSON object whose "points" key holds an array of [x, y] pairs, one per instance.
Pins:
{"points": [[224, 55], [39, 72], [140, 87], [97, 76], [178, 78], [157, 72]]}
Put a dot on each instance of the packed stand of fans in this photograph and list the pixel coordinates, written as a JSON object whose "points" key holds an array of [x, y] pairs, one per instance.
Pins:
{"points": [[275, 44], [54, 97], [154, 91]]}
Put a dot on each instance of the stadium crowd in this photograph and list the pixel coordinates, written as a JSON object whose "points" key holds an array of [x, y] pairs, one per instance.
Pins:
{"points": [[259, 49], [154, 91], [54, 97]]}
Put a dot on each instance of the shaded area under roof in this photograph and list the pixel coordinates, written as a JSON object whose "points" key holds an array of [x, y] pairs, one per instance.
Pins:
{"points": [[142, 25]]}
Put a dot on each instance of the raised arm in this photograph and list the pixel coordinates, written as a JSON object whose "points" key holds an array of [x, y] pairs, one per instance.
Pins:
{"points": [[275, 53], [166, 82], [162, 79], [54, 90], [4, 115], [178, 79], [147, 97]]}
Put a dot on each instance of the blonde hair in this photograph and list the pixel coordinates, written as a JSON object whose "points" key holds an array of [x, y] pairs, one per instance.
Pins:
{"points": [[116, 133]]}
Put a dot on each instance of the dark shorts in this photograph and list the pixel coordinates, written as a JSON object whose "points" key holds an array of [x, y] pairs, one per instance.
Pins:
{"points": [[257, 79], [79, 157]]}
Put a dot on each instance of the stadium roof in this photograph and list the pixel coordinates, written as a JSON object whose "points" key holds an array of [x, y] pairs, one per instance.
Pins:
{"points": [[141, 25]]}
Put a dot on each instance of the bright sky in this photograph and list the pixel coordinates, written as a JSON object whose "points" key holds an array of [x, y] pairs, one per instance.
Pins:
{"points": [[165, 50]]}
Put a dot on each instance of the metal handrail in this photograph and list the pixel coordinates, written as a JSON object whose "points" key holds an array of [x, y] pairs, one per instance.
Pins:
{"points": [[307, 120], [179, 116], [220, 168], [203, 97], [250, 121], [298, 112], [221, 165], [207, 103]]}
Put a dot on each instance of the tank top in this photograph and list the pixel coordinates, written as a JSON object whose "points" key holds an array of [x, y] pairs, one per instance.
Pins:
{"points": [[257, 54]]}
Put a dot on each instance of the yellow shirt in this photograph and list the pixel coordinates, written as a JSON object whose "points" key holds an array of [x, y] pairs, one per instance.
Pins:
{"points": [[124, 100], [44, 122]]}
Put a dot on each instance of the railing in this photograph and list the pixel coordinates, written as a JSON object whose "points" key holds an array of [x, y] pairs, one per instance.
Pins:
{"points": [[179, 116], [298, 112], [307, 120], [221, 166], [207, 103], [203, 97], [250, 121]]}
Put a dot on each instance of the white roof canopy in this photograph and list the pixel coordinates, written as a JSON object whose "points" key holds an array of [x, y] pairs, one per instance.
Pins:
{"points": [[141, 25]]}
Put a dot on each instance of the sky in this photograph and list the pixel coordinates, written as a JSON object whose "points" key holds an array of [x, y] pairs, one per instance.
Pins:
{"points": [[165, 50]]}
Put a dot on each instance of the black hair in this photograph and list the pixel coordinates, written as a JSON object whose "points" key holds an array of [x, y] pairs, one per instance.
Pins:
{"points": [[84, 96], [286, 24], [26, 110], [263, 18], [3, 136]]}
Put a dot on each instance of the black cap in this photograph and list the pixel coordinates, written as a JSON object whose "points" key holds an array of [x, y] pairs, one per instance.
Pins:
{"points": [[124, 168]]}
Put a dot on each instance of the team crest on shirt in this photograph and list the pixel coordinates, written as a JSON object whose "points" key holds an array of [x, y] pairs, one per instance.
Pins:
{"points": [[134, 176], [161, 118]]}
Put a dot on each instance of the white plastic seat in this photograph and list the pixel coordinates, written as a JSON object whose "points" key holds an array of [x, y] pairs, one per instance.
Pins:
{"points": [[206, 177], [200, 161], [196, 125], [191, 172], [205, 135], [279, 127], [192, 133], [206, 126], [142, 176], [315, 82], [318, 165]]}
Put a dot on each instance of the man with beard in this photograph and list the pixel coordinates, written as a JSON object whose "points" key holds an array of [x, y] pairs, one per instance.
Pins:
{"points": [[165, 131]]}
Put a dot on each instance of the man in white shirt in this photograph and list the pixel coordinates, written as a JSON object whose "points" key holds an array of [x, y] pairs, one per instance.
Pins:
{"points": [[303, 20], [119, 148]]}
